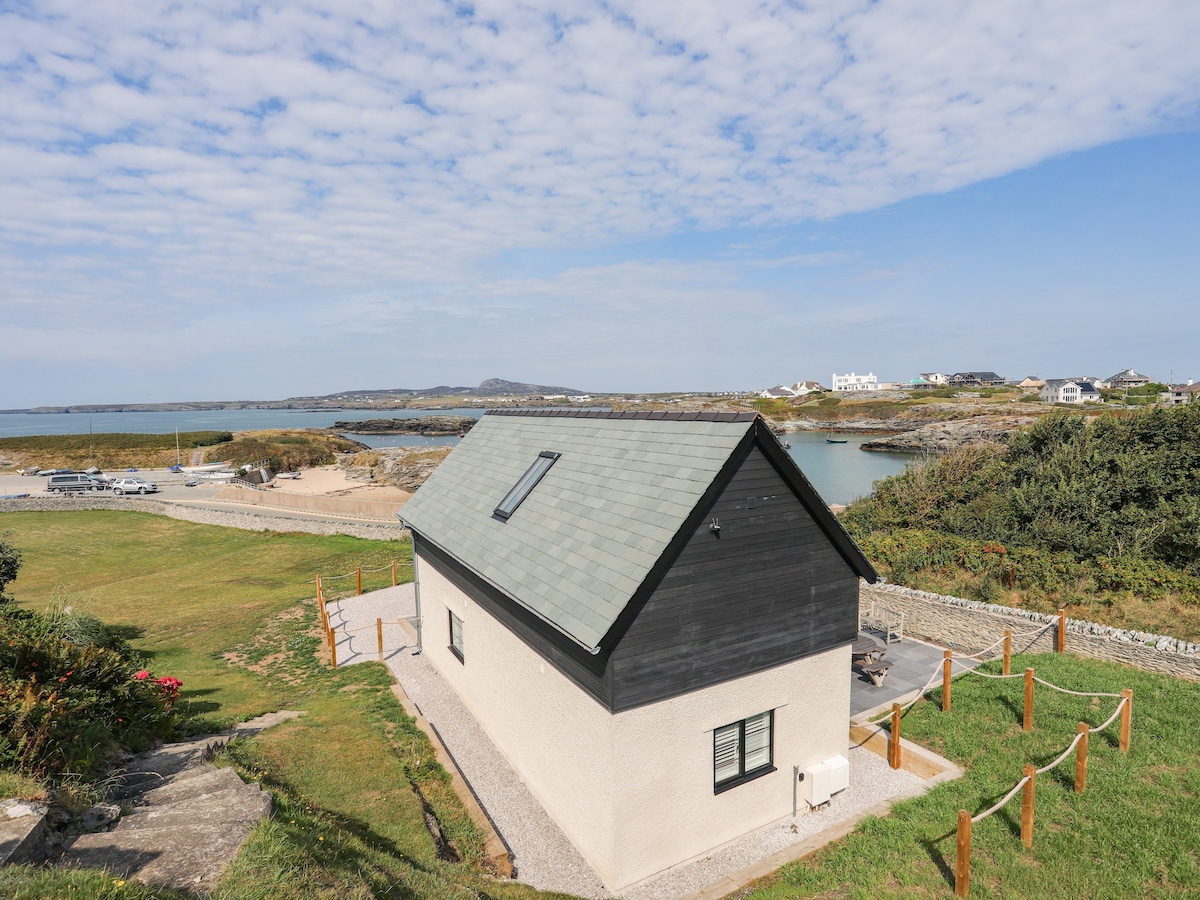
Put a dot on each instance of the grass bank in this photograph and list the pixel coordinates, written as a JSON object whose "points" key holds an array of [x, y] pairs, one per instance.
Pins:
{"points": [[230, 613]]}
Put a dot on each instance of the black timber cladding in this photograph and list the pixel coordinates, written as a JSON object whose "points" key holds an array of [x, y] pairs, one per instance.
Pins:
{"points": [[765, 589], [778, 584]]}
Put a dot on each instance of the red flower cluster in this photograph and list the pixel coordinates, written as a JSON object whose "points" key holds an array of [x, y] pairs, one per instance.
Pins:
{"points": [[170, 688]]}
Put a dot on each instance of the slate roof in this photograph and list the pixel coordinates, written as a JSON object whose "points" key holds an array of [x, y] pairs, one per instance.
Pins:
{"points": [[583, 541]]}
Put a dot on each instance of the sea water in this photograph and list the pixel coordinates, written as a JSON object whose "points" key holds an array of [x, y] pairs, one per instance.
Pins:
{"points": [[839, 472]]}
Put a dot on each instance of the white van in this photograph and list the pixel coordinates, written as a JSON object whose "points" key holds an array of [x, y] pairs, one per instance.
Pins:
{"points": [[77, 482]]}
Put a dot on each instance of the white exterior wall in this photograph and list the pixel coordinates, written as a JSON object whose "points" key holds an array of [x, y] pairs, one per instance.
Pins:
{"points": [[854, 382], [634, 791]]}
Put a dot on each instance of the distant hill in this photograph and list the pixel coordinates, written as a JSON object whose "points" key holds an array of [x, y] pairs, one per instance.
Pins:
{"points": [[491, 387]]}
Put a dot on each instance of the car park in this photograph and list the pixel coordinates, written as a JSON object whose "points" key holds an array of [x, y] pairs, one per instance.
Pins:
{"points": [[78, 481], [133, 486]]}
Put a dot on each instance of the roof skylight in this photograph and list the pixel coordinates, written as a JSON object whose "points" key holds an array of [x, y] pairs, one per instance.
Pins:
{"points": [[525, 484]]}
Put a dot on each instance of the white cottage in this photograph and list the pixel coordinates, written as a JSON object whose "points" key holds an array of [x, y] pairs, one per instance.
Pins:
{"points": [[650, 614]]}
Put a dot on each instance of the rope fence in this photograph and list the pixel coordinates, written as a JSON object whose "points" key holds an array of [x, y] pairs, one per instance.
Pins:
{"points": [[1028, 783], [950, 660]]}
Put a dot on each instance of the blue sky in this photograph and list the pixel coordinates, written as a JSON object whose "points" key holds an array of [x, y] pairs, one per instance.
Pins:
{"points": [[266, 200]]}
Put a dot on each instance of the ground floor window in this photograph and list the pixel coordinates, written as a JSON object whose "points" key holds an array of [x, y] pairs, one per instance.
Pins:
{"points": [[456, 637], [743, 750]]}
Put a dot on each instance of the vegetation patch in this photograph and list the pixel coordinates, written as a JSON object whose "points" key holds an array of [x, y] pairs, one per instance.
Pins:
{"points": [[1084, 512], [284, 450]]}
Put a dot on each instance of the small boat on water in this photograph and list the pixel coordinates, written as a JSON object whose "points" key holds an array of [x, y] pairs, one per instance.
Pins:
{"points": [[830, 439], [207, 467]]}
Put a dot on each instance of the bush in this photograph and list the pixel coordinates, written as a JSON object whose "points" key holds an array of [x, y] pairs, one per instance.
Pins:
{"points": [[72, 693], [829, 401]]}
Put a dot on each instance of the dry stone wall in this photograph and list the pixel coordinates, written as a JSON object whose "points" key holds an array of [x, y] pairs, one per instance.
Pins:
{"points": [[970, 626]]}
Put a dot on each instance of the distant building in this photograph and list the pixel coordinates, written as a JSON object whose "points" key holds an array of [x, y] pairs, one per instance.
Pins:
{"points": [[1065, 390], [854, 382], [800, 388], [1127, 378], [976, 379], [779, 392], [934, 378], [1031, 382], [1182, 393]]}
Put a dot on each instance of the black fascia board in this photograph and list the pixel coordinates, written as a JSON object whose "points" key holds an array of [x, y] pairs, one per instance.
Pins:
{"points": [[812, 501]]}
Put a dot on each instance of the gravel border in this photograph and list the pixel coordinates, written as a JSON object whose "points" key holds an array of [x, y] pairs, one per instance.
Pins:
{"points": [[543, 855]]}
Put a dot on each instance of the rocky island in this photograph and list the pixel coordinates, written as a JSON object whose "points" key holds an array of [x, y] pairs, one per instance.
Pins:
{"points": [[425, 425]]}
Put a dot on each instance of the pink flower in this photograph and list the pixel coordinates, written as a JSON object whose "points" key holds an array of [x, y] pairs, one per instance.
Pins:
{"points": [[142, 675], [169, 687]]}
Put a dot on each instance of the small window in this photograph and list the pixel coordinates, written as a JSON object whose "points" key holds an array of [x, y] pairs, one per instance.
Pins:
{"points": [[525, 484], [743, 751], [456, 640]]}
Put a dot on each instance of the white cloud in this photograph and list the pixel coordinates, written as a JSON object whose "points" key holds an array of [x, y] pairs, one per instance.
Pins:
{"points": [[222, 153]]}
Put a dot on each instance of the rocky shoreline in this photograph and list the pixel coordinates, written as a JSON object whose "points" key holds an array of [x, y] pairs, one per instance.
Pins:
{"points": [[942, 437], [430, 426]]}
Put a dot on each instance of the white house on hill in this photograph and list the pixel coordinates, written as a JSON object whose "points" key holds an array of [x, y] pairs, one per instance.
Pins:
{"points": [[650, 614], [854, 382], [1065, 390]]}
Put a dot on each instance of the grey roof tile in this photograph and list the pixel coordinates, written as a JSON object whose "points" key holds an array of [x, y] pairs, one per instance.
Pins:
{"points": [[583, 541]]}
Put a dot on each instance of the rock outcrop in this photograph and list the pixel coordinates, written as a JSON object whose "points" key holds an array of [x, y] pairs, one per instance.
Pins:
{"points": [[405, 467], [427, 425], [942, 437]]}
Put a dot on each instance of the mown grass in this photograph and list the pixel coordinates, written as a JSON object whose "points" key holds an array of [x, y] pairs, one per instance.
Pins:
{"points": [[1134, 833], [230, 612]]}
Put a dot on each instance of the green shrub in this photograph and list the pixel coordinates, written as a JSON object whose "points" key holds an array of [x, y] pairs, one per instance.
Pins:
{"points": [[72, 693], [829, 401]]}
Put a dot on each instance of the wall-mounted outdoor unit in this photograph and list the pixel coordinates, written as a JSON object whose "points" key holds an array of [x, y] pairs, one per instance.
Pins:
{"points": [[825, 779]]}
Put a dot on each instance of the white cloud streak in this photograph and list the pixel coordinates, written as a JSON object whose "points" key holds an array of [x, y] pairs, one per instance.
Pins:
{"points": [[212, 155]]}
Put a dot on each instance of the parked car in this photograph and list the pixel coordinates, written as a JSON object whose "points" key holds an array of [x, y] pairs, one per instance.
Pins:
{"points": [[134, 486], [58, 484]]}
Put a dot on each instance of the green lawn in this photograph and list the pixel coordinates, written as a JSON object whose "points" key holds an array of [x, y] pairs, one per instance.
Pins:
{"points": [[1134, 833], [231, 613]]}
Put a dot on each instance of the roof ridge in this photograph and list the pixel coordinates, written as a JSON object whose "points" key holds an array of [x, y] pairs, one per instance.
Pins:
{"points": [[656, 414]]}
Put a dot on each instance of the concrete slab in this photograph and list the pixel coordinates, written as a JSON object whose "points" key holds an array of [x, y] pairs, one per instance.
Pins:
{"points": [[914, 662]]}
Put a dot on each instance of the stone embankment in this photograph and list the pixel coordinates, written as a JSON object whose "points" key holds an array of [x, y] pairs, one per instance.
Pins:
{"points": [[426, 425], [942, 437], [263, 520]]}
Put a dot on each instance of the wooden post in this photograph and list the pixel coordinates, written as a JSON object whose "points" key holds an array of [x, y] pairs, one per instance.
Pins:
{"points": [[318, 585], [1007, 670], [947, 670], [333, 648], [379, 634], [1061, 645], [894, 738], [1081, 758], [1126, 717], [358, 580], [1027, 805], [1027, 723], [395, 581], [962, 860]]}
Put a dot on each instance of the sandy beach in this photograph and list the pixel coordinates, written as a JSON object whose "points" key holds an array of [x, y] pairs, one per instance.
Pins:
{"points": [[332, 482]]}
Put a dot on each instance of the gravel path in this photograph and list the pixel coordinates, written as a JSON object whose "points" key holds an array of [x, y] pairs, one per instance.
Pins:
{"points": [[543, 856]]}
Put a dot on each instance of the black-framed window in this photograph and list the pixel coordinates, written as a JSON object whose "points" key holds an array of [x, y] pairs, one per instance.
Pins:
{"points": [[525, 484], [743, 751], [456, 637]]}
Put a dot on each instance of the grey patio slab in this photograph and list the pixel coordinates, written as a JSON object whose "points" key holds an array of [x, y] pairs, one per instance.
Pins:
{"points": [[914, 662]]}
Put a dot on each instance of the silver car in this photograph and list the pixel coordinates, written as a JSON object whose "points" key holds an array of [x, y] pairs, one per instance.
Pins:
{"points": [[133, 486]]}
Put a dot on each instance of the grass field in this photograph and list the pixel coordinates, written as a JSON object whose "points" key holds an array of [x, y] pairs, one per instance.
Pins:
{"points": [[230, 612]]}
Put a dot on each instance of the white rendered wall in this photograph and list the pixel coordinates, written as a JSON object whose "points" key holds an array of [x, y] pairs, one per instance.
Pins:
{"points": [[634, 791]]}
